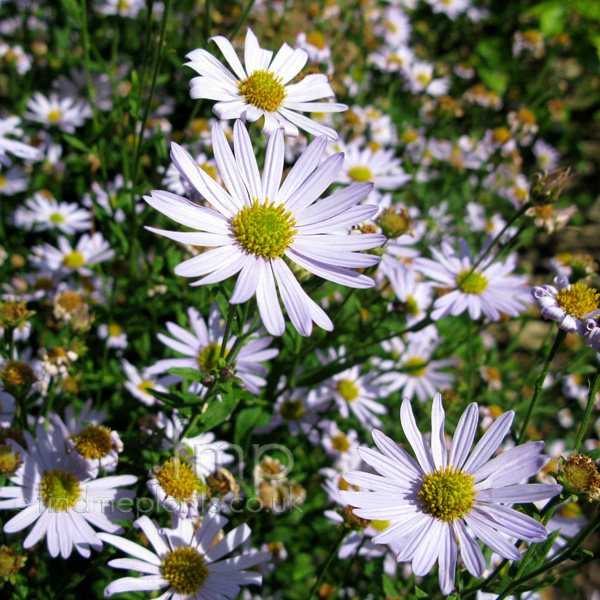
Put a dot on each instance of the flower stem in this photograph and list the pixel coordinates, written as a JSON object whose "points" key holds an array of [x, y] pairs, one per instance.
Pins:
{"points": [[333, 553], [243, 18], [588, 409], [230, 317], [539, 384]]}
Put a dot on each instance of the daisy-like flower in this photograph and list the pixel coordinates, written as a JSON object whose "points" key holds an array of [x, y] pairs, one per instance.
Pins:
{"points": [[203, 344], [186, 560], [114, 335], [567, 304], [64, 113], [7, 409], [419, 78], [90, 249], [260, 220], [355, 392], [489, 289], [13, 181], [450, 496], [262, 87], [408, 287], [43, 212], [123, 8], [139, 382], [10, 126], [413, 371], [57, 495]]}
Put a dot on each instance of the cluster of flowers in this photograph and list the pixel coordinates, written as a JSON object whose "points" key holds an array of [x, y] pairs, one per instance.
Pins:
{"points": [[273, 229]]}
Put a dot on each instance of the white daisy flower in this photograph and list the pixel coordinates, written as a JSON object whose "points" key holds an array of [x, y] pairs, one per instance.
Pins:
{"points": [[262, 88], [90, 249], [413, 371], [419, 79], [122, 8], [490, 289], [44, 212], [261, 220], [64, 113], [338, 444], [16, 56], [10, 126], [451, 8], [449, 496], [411, 290], [547, 156], [14, 181], [186, 561], [202, 347], [109, 199], [356, 393], [567, 304], [58, 496], [138, 382], [114, 335], [75, 86], [315, 45]]}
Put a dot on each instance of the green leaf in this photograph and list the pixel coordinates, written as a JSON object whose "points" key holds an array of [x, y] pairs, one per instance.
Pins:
{"points": [[188, 373], [77, 143], [594, 454], [538, 552], [389, 587], [247, 421], [419, 593], [217, 412]]}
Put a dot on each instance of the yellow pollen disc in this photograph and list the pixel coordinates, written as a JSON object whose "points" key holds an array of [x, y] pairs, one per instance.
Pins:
{"points": [[54, 115], [178, 479], [317, 39], [124, 5], [292, 410], [209, 170], [475, 284], [93, 441], [2, 181], [347, 390], [74, 260], [424, 78], [264, 229], [526, 116], [579, 300], [263, 90], [185, 569], [410, 136], [379, 525], [411, 306], [57, 218], [501, 135], [208, 359], [360, 174], [17, 373], [340, 442], [114, 330], [59, 489], [145, 385], [447, 494], [70, 300], [416, 366]]}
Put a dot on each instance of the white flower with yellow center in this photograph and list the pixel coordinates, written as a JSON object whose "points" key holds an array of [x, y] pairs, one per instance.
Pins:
{"points": [[261, 87], [64, 113], [13, 181], [139, 382], [490, 289], [450, 495], [10, 126], [57, 495], [259, 221], [44, 212], [186, 560], [567, 304], [114, 335]]}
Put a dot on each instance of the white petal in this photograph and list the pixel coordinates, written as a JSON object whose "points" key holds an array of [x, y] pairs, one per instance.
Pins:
{"points": [[246, 160], [267, 300], [415, 437]]}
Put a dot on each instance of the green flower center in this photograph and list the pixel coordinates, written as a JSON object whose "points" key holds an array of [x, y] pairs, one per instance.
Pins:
{"points": [[292, 410], [416, 366], [93, 441], [347, 390], [178, 480], [263, 90], [74, 260], [264, 229], [208, 359], [59, 489], [411, 306], [579, 300], [360, 174], [471, 283], [185, 569], [57, 218], [447, 494]]}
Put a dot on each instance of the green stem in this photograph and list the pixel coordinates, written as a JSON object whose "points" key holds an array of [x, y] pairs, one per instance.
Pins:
{"points": [[207, 21], [332, 554], [539, 384], [227, 332], [588, 409], [86, 56], [243, 18]]}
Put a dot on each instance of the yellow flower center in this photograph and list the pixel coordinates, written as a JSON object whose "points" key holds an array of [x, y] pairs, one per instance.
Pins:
{"points": [[317, 39], [416, 366], [264, 229], [410, 136], [93, 441], [59, 489], [579, 300], [411, 306], [263, 90], [185, 569], [379, 525], [114, 330], [447, 494], [424, 78], [124, 5], [17, 373], [54, 115], [178, 480], [2, 181], [340, 442], [347, 390], [145, 385], [501, 135], [210, 170], [360, 174], [9, 461], [57, 218], [74, 260], [471, 283], [292, 410], [208, 359]]}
